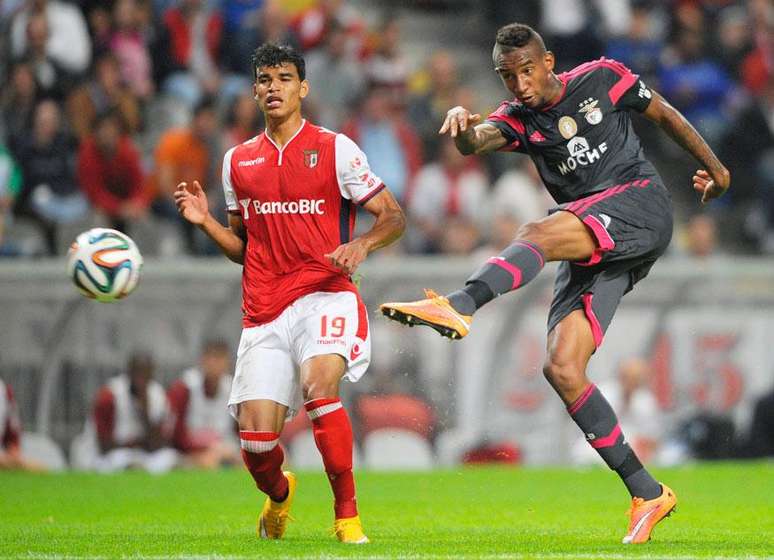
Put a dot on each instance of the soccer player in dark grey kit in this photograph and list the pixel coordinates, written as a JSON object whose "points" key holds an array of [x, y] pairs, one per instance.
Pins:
{"points": [[613, 220]]}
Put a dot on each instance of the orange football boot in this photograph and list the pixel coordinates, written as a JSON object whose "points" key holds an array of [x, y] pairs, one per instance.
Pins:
{"points": [[645, 514], [436, 312]]}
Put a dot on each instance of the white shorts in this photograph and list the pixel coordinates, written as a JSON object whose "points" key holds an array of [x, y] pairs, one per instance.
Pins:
{"points": [[269, 355]]}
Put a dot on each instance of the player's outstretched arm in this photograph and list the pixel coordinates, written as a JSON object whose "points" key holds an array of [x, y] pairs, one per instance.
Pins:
{"points": [[470, 136], [388, 227], [192, 205], [714, 179]]}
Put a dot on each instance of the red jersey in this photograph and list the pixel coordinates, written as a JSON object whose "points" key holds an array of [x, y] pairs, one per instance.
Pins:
{"points": [[297, 204]]}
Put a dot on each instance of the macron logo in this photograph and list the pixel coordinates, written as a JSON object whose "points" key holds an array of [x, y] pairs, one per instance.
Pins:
{"points": [[249, 162]]}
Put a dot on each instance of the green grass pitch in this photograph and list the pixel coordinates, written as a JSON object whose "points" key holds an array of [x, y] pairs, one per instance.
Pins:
{"points": [[724, 511]]}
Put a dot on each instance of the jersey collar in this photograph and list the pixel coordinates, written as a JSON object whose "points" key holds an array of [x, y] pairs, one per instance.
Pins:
{"points": [[282, 149]]}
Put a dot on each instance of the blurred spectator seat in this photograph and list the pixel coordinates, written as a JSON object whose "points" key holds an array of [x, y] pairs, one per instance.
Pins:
{"points": [[303, 452], [397, 449], [404, 412], [84, 448], [42, 449], [488, 453]]}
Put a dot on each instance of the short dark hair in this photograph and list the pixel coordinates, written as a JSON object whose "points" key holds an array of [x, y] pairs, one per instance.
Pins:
{"points": [[518, 35], [270, 54]]}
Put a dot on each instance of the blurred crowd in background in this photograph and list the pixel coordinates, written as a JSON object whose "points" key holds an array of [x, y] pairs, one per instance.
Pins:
{"points": [[105, 106], [133, 422]]}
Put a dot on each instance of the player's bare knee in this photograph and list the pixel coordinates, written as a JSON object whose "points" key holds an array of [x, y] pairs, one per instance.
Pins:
{"points": [[320, 386], [564, 375], [532, 231]]}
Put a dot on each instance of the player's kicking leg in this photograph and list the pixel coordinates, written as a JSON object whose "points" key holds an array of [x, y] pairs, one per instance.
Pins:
{"points": [[570, 346], [260, 424], [560, 236], [320, 379]]}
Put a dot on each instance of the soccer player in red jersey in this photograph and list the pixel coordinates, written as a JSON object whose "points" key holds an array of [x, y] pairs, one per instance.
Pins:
{"points": [[291, 194], [612, 222]]}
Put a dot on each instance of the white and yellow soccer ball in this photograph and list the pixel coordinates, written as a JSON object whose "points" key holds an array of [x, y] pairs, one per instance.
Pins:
{"points": [[104, 264]]}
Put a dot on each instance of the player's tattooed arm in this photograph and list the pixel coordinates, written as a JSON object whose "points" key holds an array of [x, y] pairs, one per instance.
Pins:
{"points": [[193, 206], [712, 181], [388, 227], [470, 136]]}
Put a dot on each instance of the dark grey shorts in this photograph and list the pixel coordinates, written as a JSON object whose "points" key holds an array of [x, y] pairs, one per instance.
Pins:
{"points": [[632, 225]]}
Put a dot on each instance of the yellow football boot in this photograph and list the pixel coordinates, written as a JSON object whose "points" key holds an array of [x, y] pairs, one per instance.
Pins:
{"points": [[645, 514], [350, 530], [274, 517], [435, 312]]}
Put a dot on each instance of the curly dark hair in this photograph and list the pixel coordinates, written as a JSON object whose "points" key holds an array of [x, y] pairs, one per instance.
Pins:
{"points": [[518, 35], [270, 54]]}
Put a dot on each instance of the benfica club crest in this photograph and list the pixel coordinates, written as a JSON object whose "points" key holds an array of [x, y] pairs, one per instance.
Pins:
{"points": [[593, 113], [310, 158]]}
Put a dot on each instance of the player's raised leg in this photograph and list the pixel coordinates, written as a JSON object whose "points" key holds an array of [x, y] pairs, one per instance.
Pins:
{"points": [[560, 236], [260, 425], [570, 346], [320, 379]]}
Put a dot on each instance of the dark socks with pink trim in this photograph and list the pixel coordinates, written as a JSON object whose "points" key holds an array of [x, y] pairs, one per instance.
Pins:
{"points": [[595, 417], [519, 263]]}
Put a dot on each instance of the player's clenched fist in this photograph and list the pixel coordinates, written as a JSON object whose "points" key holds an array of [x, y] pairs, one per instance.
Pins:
{"points": [[459, 119], [191, 202], [348, 256]]}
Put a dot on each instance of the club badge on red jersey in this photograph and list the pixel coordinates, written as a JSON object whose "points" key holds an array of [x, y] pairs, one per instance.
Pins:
{"points": [[310, 158]]}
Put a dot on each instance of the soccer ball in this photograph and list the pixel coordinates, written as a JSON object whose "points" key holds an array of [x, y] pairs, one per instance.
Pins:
{"points": [[104, 264]]}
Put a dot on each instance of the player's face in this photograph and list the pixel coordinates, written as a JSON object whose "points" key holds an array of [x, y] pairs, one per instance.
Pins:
{"points": [[279, 90], [526, 72]]}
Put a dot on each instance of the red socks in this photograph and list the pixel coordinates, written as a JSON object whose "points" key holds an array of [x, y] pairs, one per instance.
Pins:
{"points": [[263, 458], [333, 435]]}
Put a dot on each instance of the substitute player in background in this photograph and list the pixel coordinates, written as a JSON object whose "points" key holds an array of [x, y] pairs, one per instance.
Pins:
{"points": [[291, 193], [613, 221]]}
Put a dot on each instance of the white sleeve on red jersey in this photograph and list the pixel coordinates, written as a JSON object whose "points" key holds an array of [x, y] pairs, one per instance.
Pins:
{"points": [[228, 188], [356, 180]]}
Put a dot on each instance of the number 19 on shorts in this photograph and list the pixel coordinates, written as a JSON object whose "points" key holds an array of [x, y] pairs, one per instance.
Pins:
{"points": [[332, 326]]}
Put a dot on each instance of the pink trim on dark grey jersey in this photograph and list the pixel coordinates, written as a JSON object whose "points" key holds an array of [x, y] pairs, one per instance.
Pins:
{"points": [[627, 79]]}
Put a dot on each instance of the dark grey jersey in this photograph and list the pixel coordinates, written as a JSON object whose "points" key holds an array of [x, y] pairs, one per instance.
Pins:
{"points": [[584, 142]]}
